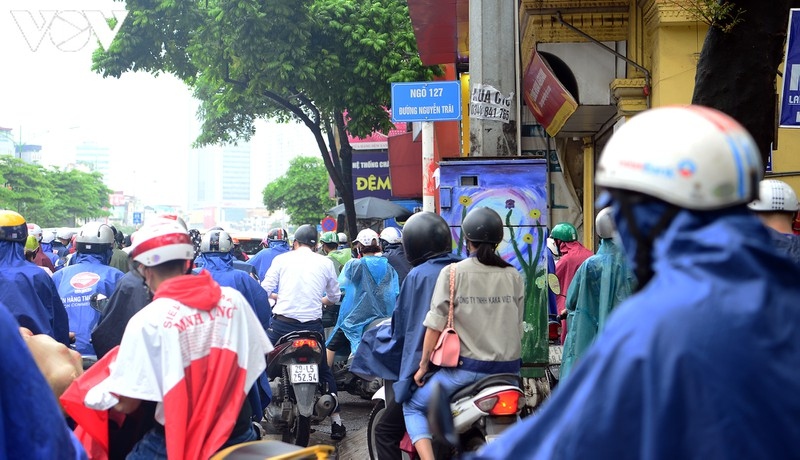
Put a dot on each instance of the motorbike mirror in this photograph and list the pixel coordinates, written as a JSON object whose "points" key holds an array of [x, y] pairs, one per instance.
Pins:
{"points": [[440, 419]]}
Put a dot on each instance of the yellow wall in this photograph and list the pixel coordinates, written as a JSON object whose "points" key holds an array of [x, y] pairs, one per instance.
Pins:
{"points": [[671, 51], [673, 55]]}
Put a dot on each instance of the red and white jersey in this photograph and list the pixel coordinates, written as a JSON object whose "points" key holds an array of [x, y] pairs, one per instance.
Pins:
{"points": [[198, 362]]}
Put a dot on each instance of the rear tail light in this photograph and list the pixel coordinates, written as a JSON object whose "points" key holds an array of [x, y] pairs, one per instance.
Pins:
{"points": [[501, 403], [305, 343]]}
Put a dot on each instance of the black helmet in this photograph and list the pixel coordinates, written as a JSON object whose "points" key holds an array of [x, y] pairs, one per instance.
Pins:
{"points": [[483, 225], [306, 234], [425, 235]]}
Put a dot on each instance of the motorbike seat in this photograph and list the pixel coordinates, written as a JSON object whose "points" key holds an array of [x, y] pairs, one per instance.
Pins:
{"points": [[301, 335], [497, 379]]}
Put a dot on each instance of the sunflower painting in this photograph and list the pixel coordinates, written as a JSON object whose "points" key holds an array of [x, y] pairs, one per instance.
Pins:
{"points": [[517, 190]]}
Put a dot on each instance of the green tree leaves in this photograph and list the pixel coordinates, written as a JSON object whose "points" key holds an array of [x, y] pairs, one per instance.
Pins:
{"points": [[309, 60], [51, 197], [302, 192]]}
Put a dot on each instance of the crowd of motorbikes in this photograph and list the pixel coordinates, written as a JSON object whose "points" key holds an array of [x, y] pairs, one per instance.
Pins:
{"points": [[478, 413]]}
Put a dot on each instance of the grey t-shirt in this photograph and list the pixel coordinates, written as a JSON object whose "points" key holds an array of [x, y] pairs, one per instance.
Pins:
{"points": [[488, 311]]}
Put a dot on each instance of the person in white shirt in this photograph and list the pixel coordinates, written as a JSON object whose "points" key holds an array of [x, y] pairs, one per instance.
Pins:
{"points": [[301, 281]]}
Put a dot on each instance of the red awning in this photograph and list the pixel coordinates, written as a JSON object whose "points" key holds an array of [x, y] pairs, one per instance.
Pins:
{"points": [[442, 30]]}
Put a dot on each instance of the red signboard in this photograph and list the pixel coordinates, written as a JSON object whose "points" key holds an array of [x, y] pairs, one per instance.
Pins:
{"points": [[546, 97]]}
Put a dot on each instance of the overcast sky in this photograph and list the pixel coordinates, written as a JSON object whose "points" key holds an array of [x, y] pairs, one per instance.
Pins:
{"points": [[51, 97]]}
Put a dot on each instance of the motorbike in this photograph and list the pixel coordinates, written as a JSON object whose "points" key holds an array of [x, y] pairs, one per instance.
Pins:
{"points": [[481, 411], [353, 383], [293, 370]]}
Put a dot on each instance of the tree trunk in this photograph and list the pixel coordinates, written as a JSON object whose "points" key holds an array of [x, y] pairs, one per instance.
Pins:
{"points": [[737, 69], [346, 156]]}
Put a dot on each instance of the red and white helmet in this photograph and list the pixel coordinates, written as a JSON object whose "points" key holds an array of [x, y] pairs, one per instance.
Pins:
{"points": [[174, 217], [690, 156], [161, 241], [35, 230]]}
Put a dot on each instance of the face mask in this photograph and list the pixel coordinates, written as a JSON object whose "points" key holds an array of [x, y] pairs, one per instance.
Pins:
{"points": [[638, 223]]}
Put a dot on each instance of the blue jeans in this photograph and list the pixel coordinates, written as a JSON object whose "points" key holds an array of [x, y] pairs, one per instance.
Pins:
{"points": [[415, 410], [153, 446], [278, 329]]}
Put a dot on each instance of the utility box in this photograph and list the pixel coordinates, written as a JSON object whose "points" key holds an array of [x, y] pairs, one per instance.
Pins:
{"points": [[517, 189]]}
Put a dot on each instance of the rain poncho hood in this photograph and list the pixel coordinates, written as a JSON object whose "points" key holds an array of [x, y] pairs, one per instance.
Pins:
{"points": [[786, 244], [370, 290], [30, 294], [76, 283], [601, 283], [31, 423], [396, 254], [263, 259], [223, 272], [395, 351], [701, 363]]}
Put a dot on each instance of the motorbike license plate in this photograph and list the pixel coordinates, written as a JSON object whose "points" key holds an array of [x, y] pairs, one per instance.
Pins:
{"points": [[304, 373]]}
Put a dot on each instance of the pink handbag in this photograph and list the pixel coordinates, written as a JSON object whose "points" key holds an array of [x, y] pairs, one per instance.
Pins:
{"points": [[448, 347]]}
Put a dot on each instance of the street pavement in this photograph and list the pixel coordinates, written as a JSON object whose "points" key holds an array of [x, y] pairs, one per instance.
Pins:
{"points": [[355, 415]]}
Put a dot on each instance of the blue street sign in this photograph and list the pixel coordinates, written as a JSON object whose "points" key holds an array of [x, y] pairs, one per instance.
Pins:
{"points": [[790, 91], [137, 217], [426, 101]]}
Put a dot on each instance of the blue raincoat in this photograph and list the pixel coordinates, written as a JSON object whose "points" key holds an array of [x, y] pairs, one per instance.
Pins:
{"points": [[370, 290], [552, 306], [396, 254], [221, 267], [701, 363], [30, 294], [263, 259], [786, 244], [31, 423], [601, 283], [88, 274], [395, 352]]}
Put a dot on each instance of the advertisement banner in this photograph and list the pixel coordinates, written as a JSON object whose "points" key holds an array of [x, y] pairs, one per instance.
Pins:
{"points": [[790, 89], [371, 175], [546, 97]]}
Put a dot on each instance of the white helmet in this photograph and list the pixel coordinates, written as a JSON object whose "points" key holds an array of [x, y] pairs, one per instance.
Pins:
{"points": [[35, 230], [216, 241], [392, 235], [342, 238], [690, 156], [368, 237], [161, 241], [604, 224], [773, 195], [64, 233], [48, 236], [94, 237]]}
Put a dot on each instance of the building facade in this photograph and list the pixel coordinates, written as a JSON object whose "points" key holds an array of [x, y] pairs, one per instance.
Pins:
{"points": [[616, 57]]}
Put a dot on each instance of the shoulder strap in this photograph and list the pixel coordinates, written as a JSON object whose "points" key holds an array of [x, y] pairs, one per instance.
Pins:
{"points": [[452, 294]]}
